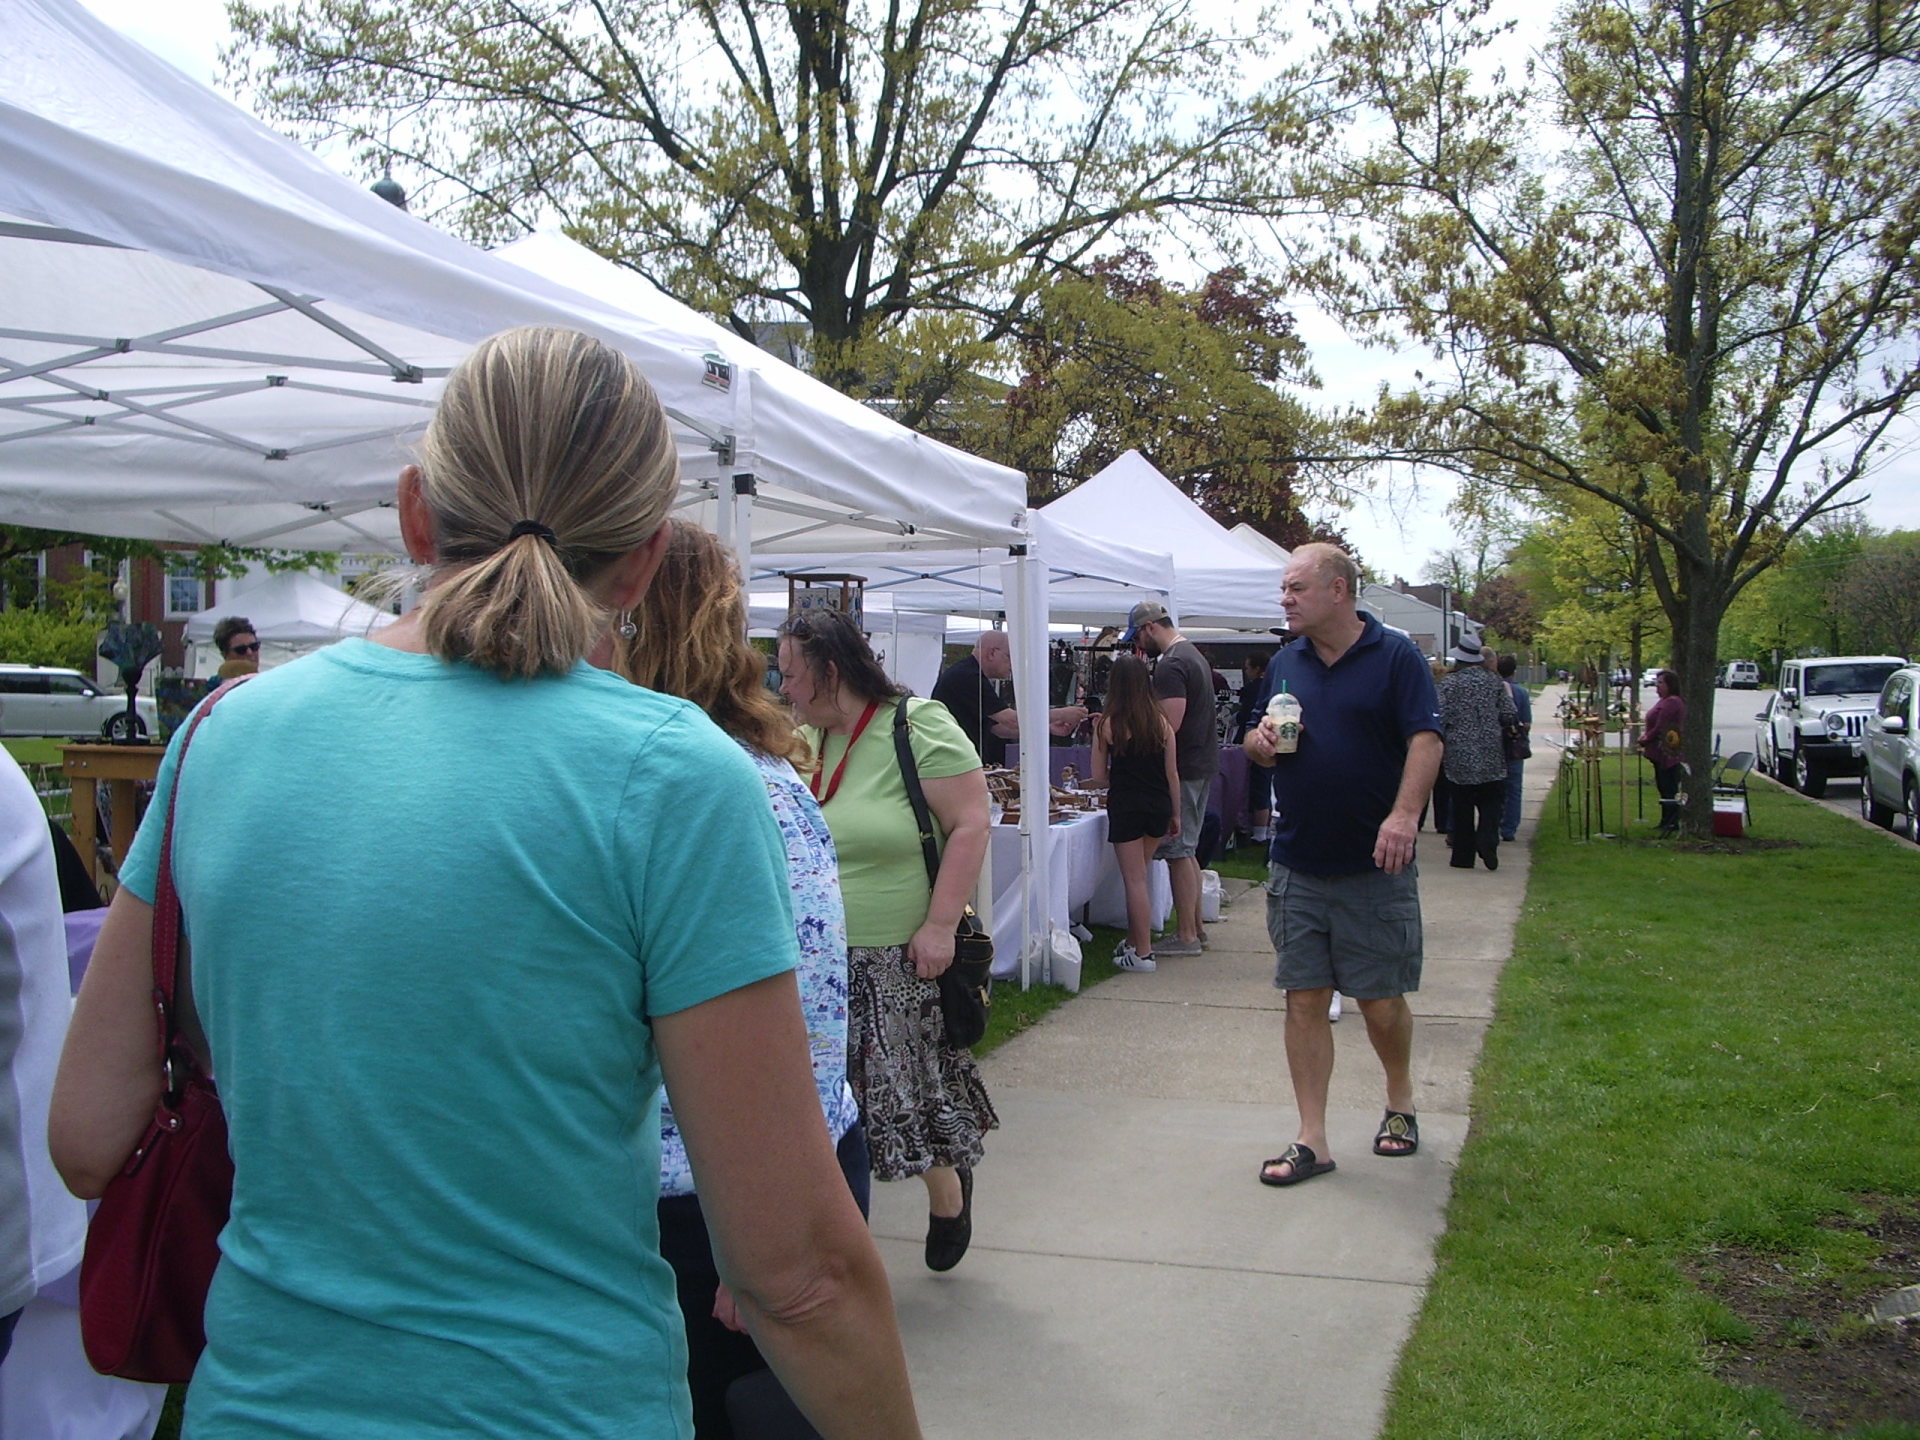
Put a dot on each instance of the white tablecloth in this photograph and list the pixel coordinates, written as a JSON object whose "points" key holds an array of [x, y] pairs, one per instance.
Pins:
{"points": [[1085, 875]]}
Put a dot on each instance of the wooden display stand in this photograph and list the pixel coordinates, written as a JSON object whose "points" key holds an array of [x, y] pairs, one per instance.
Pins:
{"points": [[122, 767], [845, 593]]}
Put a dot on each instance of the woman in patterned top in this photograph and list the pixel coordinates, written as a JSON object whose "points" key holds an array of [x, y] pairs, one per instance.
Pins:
{"points": [[1475, 708], [689, 641]]}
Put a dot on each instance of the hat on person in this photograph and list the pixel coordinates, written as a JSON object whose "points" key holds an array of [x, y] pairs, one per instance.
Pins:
{"points": [[1147, 612], [1468, 651]]}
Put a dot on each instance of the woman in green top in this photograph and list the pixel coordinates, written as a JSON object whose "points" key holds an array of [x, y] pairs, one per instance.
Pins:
{"points": [[923, 1101]]}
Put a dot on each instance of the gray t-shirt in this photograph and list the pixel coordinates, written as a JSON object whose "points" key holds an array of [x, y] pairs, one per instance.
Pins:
{"points": [[1181, 671]]}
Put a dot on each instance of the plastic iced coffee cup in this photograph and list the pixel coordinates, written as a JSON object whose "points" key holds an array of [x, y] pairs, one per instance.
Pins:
{"points": [[1284, 711]]}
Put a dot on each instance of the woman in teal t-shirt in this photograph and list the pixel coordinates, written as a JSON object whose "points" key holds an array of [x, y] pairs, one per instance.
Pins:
{"points": [[923, 1101], [458, 899]]}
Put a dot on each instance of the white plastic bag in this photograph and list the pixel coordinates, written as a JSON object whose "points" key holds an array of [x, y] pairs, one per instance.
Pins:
{"points": [[1209, 896], [1064, 958]]}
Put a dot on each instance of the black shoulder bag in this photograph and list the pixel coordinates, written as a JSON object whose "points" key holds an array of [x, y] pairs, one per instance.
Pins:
{"points": [[1516, 738], [966, 986]]}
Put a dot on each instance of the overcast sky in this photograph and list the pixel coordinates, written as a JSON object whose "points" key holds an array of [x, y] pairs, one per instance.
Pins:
{"points": [[1396, 534]]}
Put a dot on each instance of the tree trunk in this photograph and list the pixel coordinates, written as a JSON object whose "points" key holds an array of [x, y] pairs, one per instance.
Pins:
{"points": [[1696, 643]]}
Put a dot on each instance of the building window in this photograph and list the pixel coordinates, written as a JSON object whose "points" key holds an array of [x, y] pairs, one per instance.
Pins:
{"points": [[186, 592]]}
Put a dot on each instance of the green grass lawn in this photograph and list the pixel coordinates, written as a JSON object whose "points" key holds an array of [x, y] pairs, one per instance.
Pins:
{"points": [[1691, 1050], [31, 751], [40, 758]]}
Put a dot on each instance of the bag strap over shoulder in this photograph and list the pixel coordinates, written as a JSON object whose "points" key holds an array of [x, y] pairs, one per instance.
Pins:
{"points": [[916, 796], [167, 919]]}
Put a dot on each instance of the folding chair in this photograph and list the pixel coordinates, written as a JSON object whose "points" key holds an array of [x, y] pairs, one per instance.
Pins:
{"points": [[1730, 779]]}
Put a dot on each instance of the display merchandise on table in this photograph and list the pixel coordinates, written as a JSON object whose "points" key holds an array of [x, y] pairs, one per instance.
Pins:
{"points": [[1227, 799], [1085, 875], [1068, 800]]}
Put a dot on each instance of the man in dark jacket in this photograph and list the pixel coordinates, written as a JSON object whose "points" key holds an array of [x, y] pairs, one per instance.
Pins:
{"points": [[978, 689]]}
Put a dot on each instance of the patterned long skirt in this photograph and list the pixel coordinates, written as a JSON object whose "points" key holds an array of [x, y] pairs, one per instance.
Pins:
{"points": [[924, 1102]]}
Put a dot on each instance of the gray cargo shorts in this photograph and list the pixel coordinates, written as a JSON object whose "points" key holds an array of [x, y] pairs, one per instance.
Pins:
{"points": [[1358, 934], [1193, 814]]}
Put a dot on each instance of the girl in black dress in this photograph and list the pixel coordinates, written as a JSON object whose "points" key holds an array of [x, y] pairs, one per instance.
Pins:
{"points": [[1133, 757]]}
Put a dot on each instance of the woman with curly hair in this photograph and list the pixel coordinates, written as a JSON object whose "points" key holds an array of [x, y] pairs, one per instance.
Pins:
{"points": [[690, 640]]}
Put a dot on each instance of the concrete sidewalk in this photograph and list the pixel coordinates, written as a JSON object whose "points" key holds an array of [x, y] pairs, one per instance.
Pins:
{"points": [[1130, 1278]]}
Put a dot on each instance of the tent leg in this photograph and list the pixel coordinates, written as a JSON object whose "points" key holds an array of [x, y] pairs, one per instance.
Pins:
{"points": [[1024, 590]]}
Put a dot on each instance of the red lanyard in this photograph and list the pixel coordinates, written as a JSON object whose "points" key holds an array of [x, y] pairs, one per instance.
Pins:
{"points": [[833, 785]]}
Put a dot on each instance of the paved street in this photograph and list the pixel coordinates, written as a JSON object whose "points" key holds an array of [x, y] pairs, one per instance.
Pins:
{"points": [[1734, 723]]}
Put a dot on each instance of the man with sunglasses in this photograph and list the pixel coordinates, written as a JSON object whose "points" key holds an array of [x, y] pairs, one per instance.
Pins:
{"points": [[239, 649]]}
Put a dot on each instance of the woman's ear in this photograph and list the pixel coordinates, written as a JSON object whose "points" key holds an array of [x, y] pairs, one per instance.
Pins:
{"points": [[416, 521]]}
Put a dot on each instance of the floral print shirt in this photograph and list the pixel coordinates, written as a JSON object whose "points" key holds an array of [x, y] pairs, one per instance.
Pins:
{"points": [[819, 922], [1475, 707]]}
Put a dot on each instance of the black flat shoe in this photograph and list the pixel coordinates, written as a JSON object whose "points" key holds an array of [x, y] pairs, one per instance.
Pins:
{"points": [[949, 1235]]}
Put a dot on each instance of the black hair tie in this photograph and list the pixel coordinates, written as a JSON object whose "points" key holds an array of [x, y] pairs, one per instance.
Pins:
{"points": [[533, 527]]}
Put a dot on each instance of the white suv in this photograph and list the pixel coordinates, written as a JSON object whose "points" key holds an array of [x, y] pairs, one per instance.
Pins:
{"points": [[1814, 723], [46, 700], [1890, 785]]}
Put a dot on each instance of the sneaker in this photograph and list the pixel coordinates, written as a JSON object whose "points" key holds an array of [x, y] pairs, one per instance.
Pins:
{"points": [[1125, 957], [1333, 1009], [1174, 945]]}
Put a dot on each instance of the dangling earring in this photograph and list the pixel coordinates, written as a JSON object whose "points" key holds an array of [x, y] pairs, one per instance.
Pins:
{"points": [[627, 628]]}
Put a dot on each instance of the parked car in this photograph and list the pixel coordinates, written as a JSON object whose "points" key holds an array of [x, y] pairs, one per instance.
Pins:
{"points": [[1890, 784], [1813, 725], [48, 700], [1739, 675]]}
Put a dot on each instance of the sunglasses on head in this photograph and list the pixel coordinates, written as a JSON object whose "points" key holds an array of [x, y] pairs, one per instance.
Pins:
{"points": [[253, 649]]}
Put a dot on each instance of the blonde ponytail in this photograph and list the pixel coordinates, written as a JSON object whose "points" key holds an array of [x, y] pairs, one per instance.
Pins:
{"points": [[548, 458]]}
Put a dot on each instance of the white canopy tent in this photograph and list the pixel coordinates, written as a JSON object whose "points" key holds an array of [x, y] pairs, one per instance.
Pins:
{"points": [[1088, 579], [915, 492], [1259, 544], [208, 335], [292, 613], [1216, 580], [292, 608]]}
